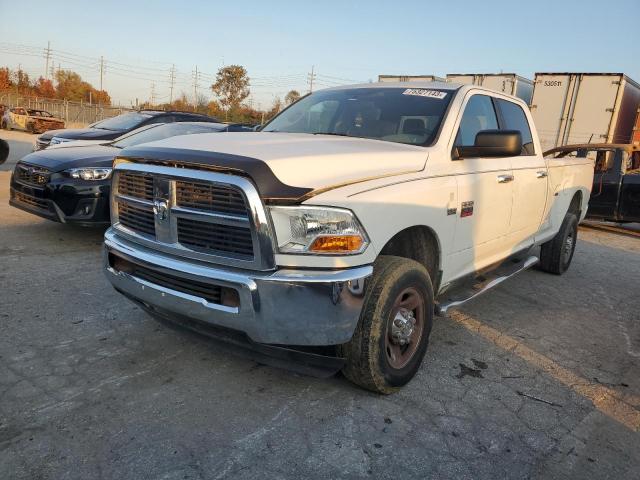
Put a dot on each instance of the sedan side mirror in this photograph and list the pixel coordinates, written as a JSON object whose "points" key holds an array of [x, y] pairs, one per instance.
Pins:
{"points": [[491, 143], [4, 151]]}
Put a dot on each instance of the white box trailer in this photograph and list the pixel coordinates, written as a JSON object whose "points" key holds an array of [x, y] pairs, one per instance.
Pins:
{"points": [[510, 83], [410, 78], [570, 108]]}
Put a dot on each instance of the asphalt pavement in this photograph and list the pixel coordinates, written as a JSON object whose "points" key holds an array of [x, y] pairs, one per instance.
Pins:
{"points": [[536, 379]]}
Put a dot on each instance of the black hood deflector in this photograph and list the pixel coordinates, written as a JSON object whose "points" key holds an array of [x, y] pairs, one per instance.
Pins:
{"points": [[270, 188]]}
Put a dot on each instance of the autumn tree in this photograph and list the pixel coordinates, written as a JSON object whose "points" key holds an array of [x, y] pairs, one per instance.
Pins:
{"points": [[292, 96], [231, 87], [5, 79], [276, 106], [71, 86], [43, 87], [101, 97], [21, 80]]}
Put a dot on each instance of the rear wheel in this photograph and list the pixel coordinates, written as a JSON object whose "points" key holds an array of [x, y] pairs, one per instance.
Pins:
{"points": [[557, 253], [392, 335]]}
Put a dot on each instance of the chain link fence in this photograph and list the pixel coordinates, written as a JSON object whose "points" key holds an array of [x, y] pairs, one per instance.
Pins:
{"points": [[75, 114]]}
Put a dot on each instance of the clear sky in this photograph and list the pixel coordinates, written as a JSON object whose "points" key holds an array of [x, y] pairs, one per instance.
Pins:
{"points": [[279, 41]]}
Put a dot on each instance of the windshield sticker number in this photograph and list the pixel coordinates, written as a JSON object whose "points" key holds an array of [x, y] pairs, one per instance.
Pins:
{"points": [[421, 92]]}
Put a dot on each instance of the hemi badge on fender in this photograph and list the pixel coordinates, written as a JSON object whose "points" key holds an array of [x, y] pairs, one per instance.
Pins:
{"points": [[452, 211], [467, 209]]}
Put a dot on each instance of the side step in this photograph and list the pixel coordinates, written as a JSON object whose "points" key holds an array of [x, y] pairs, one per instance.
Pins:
{"points": [[477, 286]]}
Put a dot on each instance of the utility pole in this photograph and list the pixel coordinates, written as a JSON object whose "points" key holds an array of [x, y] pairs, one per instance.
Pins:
{"points": [[47, 53], [195, 87], [310, 78], [153, 94], [101, 70], [172, 81]]}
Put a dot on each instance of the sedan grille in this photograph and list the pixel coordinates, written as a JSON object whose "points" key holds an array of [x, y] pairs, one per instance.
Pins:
{"points": [[31, 175], [31, 201]]}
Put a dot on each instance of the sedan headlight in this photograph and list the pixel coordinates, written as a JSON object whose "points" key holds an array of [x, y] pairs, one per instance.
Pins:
{"points": [[57, 140], [318, 230], [90, 173]]}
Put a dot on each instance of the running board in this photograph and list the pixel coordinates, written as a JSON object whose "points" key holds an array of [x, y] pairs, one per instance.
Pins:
{"points": [[480, 284]]}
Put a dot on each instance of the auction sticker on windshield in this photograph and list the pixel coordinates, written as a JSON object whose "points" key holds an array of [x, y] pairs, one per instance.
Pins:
{"points": [[423, 92]]}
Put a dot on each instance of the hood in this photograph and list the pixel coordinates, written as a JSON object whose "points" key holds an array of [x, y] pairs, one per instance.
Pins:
{"points": [[82, 134], [58, 159], [77, 143], [303, 161]]}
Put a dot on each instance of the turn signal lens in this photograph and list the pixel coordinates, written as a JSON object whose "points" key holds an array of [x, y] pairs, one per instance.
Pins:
{"points": [[336, 244]]}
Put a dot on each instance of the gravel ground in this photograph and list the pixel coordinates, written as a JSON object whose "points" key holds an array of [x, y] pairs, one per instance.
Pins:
{"points": [[537, 379]]}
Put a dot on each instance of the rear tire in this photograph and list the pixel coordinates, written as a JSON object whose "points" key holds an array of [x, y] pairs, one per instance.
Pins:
{"points": [[392, 334], [557, 253]]}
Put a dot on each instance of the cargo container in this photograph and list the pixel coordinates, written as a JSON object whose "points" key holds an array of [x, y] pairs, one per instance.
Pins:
{"points": [[409, 78], [502, 82], [570, 108], [636, 129]]}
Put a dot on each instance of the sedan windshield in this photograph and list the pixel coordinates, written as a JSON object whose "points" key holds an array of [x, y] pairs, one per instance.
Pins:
{"points": [[402, 115], [122, 122], [161, 131]]}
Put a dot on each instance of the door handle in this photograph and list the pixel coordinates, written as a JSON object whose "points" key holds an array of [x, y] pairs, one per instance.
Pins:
{"points": [[505, 178], [541, 174]]}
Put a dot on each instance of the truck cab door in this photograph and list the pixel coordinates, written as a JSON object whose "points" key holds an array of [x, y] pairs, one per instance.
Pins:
{"points": [[607, 180], [485, 194], [530, 185]]}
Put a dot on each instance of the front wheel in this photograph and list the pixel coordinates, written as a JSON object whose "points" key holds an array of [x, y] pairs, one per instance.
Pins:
{"points": [[392, 334], [557, 253]]}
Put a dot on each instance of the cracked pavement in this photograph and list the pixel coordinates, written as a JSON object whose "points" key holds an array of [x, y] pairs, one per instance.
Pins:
{"points": [[91, 387]]}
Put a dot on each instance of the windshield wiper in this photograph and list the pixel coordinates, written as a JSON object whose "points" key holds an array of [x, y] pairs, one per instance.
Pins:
{"points": [[332, 133]]}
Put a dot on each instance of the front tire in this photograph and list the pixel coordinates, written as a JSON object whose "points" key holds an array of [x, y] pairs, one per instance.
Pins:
{"points": [[392, 334], [557, 253]]}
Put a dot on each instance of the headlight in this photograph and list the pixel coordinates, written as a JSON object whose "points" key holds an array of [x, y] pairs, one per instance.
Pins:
{"points": [[57, 140], [90, 173], [318, 230]]}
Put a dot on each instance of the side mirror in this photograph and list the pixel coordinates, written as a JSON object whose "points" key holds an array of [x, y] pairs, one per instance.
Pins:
{"points": [[257, 128], [492, 143], [4, 151]]}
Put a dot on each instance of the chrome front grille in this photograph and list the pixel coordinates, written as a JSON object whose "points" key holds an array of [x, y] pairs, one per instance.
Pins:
{"points": [[209, 237], [211, 198], [136, 218], [207, 216], [136, 185], [31, 175]]}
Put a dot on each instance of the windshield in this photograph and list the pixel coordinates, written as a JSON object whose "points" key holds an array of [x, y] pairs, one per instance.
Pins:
{"points": [[39, 113], [402, 115], [122, 122], [160, 131]]}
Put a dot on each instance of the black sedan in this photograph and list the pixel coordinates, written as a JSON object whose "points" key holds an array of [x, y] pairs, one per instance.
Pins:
{"points": [[72, 184], [112, 128]]}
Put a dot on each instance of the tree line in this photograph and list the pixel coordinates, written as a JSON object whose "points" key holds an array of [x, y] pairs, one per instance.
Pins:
{"points": [[231, 90], [68, 85]]}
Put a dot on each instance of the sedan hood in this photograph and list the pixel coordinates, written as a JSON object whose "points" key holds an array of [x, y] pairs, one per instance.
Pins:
{"points": [[59, 159], [82, 134], [299, 162]]}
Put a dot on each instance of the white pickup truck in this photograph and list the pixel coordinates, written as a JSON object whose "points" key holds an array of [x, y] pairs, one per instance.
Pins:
{"points": [[336, 233]]}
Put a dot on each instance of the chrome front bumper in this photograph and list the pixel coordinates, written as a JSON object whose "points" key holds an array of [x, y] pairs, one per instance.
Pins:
{"points": [[284, 307]]}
